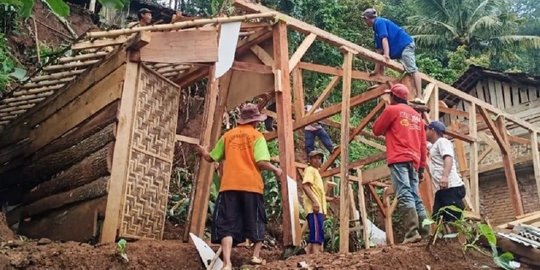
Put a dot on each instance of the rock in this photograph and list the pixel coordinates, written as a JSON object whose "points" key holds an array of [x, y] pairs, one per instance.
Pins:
{"points": [[86, 245], [14, 243], [44, 241], [385, 250], [19, 260]]}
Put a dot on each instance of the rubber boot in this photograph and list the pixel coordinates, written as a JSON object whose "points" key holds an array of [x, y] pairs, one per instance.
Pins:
{"points": [[410, 220], [424, 231]]}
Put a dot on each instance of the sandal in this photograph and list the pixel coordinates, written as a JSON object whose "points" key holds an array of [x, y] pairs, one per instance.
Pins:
{"points": [[255, 260]]}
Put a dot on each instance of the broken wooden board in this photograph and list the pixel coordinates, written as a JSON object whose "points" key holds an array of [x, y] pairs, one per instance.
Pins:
{"points": [[182, 47]]}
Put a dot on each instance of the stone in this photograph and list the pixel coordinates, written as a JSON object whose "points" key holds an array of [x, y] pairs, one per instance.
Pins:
{"points": [[44, 241]]}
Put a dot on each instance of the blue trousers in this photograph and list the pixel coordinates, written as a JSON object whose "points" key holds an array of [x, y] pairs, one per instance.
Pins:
{"points": [[405, 180], [323, 136]]}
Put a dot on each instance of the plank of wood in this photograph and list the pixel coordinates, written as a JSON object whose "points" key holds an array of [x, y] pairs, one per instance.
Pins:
{"points": [[251, 67], [536, 160], [21, 127], [185, 46], [523, 95], [57, 161], [428, 91], [265, 57], [363, 210], [187, 139], [509, 170], [206, 169], [505, 149], [324, 95], [507, 94], [120, 160], [334, 109], [94, 189], [90, 102], [355, 164], [298, 93], [100, 43], [344, 147], [434, 104], [78, 222], [356, 74], [93, 167], [473, 161], [355, 132], [373, 144], [500, 95], [291, 231], [302, 49]]}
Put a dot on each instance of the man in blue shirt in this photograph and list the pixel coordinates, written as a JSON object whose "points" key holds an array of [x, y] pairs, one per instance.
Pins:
{"points": [[393, 43]]}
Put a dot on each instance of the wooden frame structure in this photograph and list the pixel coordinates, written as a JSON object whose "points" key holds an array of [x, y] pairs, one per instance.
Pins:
{"points": [[263, 50]]}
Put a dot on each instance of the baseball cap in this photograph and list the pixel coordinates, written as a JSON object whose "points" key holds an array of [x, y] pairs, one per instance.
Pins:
{"points": [[369, 13], [144, 10], [399, 90], [438, 126], [315, 153]]}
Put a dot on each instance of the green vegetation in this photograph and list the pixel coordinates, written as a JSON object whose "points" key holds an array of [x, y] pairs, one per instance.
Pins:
{"points": [[474, 233]]}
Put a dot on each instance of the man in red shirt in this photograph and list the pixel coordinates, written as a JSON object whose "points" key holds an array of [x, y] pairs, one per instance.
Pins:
{"points": [[405, 135]]}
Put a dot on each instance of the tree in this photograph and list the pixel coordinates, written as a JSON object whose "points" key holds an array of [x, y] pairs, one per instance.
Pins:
{"points": [[481, 26]]}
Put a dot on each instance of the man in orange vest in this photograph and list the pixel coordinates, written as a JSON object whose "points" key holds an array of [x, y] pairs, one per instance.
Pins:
{"points": [[239, 212]]}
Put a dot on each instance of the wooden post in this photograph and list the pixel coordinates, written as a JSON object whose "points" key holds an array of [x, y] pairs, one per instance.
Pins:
{"points": [[298, 90], [509, 169], [362, 209], [473, 159], [536, 160], [199, 206], [434, 104], [344, 175], [462, 163], [426, 192], [120, 161], [285, 130]]}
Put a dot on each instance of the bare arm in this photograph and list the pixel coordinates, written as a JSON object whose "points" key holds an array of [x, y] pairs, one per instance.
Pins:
{"points": [[267, 166], [203, 152], [447, 166], [311, 196], [386, 49]]}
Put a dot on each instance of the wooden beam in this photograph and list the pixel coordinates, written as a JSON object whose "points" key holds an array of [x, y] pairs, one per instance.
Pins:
{"points": [[496, 132], [186, 139], [460, 136], [265, 58], [536, 160], [428, 92], [291, 235], [197, 217], [363, 210], [324, 95], [356, 74], [355, 132], [344, 147], [302, 49], [373, 144], [473, 160], [120, 161], [100, 43], [433, 101], [334, 109], [355, 164], [251, 67], [509, 170], [377, 200], [298, 93]]}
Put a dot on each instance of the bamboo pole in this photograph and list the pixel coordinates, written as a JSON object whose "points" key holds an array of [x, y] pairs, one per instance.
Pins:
{"points": [[69, 66], [38, 90], [85, 56], [22, 102], [27, 97], [58, 75], [362, 208], [178, 25], [15, 108], [536, 160], [47, 83]]}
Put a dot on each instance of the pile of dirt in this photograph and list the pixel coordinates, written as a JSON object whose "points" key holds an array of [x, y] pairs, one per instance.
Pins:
{"points": [[5, 233], [444, 255]]}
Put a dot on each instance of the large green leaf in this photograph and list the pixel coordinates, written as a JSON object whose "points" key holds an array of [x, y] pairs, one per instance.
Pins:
{"points": [[487, 232], [26, 8], [58, 6]]}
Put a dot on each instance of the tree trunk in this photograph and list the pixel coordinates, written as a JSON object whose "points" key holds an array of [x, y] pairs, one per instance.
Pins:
{"points": [[89, 191], [55, 162], [94, 166]]}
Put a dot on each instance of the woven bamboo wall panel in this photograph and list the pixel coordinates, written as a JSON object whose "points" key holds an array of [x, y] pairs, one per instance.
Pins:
{"points": [[151, 157]]}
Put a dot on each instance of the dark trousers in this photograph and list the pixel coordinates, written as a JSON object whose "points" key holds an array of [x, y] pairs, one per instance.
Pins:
{"points": [[323, 136], [446, 197]]}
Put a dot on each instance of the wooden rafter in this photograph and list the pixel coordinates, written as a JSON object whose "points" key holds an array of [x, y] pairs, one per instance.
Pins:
{"points": [[302, 49], [505, 149], [324, 95]]}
